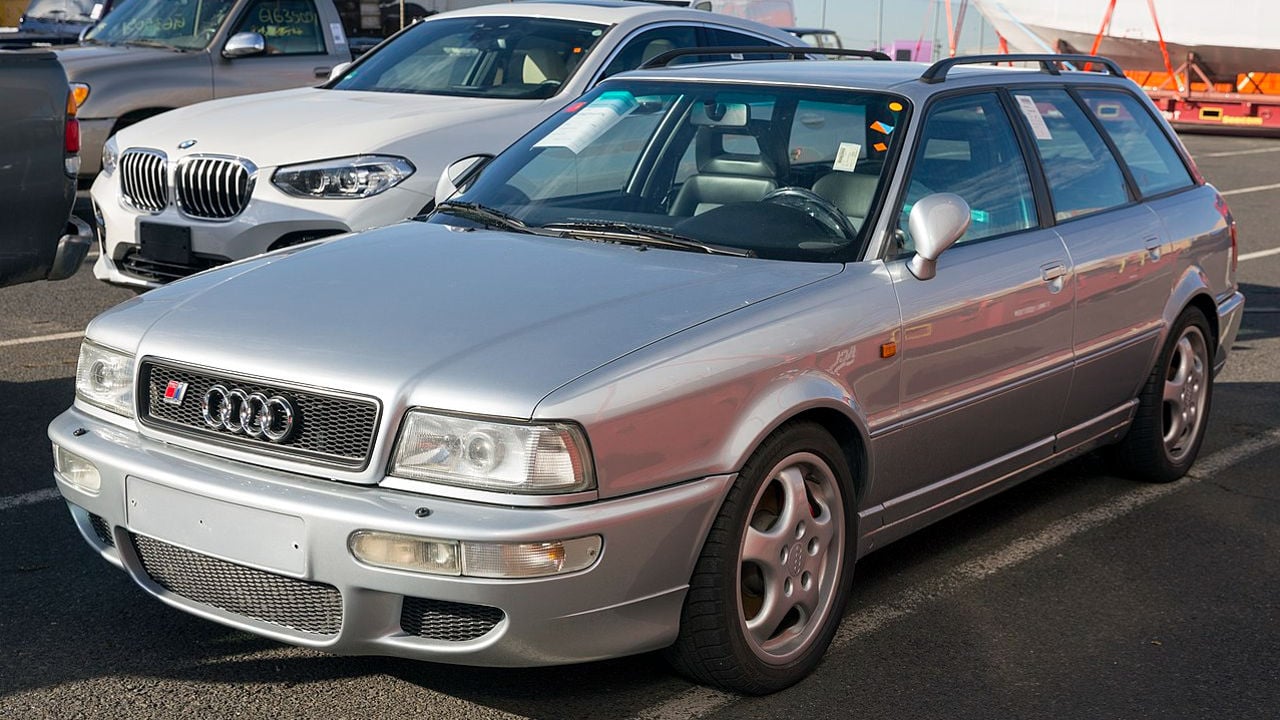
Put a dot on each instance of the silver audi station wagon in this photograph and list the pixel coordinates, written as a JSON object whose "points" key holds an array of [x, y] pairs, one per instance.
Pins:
{"points": [[660, 373]]}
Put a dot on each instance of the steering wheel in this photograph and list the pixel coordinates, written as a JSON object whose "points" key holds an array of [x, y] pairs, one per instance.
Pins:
{"points": [[816, 206]]}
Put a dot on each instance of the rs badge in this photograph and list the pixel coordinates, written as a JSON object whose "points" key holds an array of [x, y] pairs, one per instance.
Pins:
{"points": [[174, 392]]}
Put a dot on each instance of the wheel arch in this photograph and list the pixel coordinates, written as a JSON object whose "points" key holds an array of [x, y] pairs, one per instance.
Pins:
{"points": [[1191, 290], [813, 397]]}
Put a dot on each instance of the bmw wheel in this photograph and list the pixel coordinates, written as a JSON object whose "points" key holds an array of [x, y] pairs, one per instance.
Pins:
{"points": [[773, 578]]}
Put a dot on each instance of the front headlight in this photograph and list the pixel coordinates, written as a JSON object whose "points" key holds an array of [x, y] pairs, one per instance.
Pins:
{"points": [[534, 458], [110, 155], [104, 378], [352, 177]]}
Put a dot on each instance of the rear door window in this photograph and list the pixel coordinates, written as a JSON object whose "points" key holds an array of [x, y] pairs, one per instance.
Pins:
{"points": [[649, 44], [1153, 162], [1083, 175]]}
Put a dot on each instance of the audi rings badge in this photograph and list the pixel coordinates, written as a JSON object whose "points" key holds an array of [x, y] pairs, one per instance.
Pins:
{"points": [[251, 414]]}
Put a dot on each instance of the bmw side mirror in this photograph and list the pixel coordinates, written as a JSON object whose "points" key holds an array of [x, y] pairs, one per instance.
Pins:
{"points": [[244, 44], [459, 173], [936, 222]]}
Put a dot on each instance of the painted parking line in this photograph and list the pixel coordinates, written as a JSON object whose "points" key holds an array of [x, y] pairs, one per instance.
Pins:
{"points": [[42, 338], [1259, 254], [1234, 153], [1255, 188], [699, 702], [31, 498]]}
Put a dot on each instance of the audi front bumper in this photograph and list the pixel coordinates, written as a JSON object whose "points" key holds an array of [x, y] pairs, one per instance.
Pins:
{"points": [[161, 514]]}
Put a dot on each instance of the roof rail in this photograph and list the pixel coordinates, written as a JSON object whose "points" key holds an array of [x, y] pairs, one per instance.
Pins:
{"points": [[796, 53], [1049, 62]]}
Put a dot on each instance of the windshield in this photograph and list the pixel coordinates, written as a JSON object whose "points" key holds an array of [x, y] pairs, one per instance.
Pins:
{"points": [[511, 57], [179, 24], [79, 11], [784, 173]]}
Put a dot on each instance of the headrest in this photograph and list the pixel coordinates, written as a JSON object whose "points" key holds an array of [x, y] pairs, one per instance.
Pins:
{"points": [[713, 159], [542, 65]]}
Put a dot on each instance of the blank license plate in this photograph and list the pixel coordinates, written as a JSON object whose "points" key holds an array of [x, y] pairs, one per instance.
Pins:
{"points": [[165, 243], [235, 533]]}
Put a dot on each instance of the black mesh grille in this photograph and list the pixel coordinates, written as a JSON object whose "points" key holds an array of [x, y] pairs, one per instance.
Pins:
{"points": [[134, 263], [447, 621], [304, 606], [335, 430], [102, 530]]}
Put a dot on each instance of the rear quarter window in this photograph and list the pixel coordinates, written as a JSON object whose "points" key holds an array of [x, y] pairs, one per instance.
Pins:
{"points": [[1153, 161]]}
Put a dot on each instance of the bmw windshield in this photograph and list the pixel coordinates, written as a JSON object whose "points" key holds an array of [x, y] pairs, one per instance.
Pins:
{"points": [[772, 172], [508, 57]]}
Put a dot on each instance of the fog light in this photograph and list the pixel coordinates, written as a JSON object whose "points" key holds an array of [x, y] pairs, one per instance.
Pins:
{"points": [[527, 560], [76, 471], [405, 552]]}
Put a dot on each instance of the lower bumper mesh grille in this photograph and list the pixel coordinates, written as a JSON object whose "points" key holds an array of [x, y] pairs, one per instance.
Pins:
{"points": [[102, 529], [296, 604], [447, 621]]}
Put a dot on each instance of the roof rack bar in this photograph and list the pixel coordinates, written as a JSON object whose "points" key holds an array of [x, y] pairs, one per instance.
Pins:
{"points": [[937, 72], [796, 53]]}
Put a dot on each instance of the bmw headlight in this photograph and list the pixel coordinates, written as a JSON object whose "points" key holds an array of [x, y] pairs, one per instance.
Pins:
{"points": [[532, 458], [361, 176], [104, 377], [110, 155]]}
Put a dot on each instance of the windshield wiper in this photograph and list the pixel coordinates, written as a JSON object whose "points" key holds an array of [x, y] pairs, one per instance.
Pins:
{"points": [[151, 43], [642, 235], [486, 215]]}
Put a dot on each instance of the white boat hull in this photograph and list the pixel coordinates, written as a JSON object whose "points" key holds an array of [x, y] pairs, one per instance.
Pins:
{"points": [[1227, 41]]}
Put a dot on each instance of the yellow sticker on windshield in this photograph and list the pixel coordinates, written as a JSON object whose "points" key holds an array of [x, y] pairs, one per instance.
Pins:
{"points": [[895, 106]]}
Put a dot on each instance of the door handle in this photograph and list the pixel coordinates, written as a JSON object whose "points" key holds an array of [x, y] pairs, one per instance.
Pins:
{"points": [[1052, 271], [323, 71], [1153, 247]]}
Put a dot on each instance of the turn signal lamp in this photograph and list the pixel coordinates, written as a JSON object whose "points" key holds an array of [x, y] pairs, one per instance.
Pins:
{"points": [[474, 559]]}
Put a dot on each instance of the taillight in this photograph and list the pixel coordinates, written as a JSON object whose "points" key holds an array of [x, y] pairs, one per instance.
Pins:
{"points": [[71, 135]]}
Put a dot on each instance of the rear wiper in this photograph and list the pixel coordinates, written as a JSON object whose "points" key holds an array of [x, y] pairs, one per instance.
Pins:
{"points": [[640, 234], [486, 215]]}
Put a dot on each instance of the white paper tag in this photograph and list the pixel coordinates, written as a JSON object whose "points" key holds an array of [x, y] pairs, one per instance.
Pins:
{"points": [[339, 37], [1034, 118], [847, 157], [590, 122]]}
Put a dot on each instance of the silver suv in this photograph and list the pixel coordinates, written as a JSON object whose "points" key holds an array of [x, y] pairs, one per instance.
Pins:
{"points": [[666, 368]]}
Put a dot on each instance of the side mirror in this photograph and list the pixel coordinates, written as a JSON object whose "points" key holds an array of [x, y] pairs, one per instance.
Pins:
{"points": [[458, 174], [937, 221], [244, 44], [337, 71]]}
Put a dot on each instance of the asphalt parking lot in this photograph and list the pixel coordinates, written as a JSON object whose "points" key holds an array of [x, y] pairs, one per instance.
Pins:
{"points": [[1075, 595]]}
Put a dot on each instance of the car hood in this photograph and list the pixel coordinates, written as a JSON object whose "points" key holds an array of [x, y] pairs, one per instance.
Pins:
{"points": [[303, 124], [426, 315], [79, 59]]}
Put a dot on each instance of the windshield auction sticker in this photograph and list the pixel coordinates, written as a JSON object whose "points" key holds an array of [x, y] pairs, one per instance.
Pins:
{"points": [[587, 124]]}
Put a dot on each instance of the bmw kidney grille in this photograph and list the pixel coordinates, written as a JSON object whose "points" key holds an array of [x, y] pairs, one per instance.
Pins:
{"points": [[205, 187]]}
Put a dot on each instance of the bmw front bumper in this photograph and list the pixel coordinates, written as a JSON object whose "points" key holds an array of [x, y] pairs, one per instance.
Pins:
{"points": [[292, 543]]}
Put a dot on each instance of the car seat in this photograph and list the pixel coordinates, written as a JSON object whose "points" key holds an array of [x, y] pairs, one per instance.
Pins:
{"points": [[851, 192], [725, 177]]}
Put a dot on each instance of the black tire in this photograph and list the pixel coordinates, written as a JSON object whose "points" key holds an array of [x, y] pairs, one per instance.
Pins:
{"points": [[808, 568], [1160, 447]]}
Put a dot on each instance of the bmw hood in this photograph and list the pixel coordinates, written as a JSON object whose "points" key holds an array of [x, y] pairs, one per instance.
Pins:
{"points": [[426, 315], [306, 124]]}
